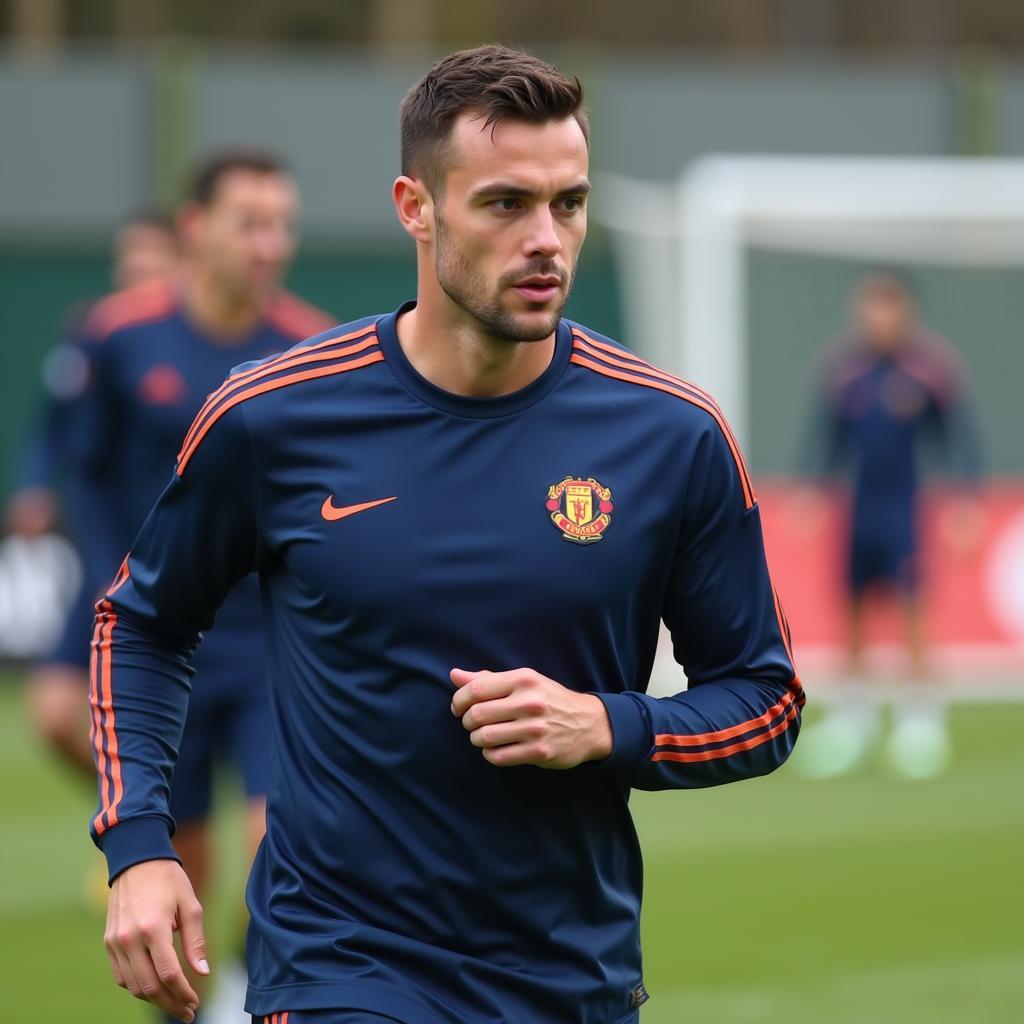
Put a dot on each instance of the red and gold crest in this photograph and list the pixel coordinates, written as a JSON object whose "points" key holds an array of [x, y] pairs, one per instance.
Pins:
{"points": [[581, 509]]}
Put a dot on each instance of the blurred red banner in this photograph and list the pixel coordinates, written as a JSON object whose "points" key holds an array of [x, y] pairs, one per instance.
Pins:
{"points": [[972, 577]]}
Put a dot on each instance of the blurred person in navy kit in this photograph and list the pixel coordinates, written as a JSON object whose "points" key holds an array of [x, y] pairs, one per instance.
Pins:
{"points": [[154, 352], [890, 387], [145, 248], [469, 517]]}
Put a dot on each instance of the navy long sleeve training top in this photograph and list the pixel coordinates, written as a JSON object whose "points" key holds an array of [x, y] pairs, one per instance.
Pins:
{"points": [[399, 531]]}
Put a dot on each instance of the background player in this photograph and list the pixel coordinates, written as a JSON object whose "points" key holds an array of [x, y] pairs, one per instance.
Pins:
{"points": [[468, 481], [155, 351], [145, 249], [890, 387]]}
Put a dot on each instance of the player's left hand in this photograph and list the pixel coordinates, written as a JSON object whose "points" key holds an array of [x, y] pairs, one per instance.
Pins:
{"points": [[522, 717]]}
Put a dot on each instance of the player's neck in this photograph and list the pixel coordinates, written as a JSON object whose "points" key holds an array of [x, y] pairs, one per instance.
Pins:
{"points": [[449, 348], [223, 316]]}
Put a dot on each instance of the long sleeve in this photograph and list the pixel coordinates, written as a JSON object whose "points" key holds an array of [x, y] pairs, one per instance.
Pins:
{"points": [[955, 428], [63, 378], [95, 426], [741, 713], [200, 538], [41, 463]]}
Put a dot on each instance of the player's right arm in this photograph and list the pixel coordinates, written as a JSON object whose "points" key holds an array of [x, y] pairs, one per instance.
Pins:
{"points": [[33, 507], [200, 538], [740, 713]]}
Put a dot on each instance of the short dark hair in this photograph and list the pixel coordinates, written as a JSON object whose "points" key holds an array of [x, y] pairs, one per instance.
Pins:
{"points": [[889, 283], [497, 82], [211, 171]]}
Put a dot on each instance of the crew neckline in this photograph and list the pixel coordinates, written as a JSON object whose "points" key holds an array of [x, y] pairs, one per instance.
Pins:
{"points": [[465, 405]]}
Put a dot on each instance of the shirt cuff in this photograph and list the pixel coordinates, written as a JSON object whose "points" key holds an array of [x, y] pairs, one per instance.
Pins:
{"points": [[134, 841], [631, 730]]}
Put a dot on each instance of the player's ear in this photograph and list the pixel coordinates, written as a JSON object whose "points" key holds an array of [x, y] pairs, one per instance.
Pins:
{"points": [[414, 206]]}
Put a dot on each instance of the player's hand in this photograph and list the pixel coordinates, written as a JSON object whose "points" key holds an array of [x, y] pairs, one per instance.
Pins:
{"points": [[149, 902], [522, 717]]}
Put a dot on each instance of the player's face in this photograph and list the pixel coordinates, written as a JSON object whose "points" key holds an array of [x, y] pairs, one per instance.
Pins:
{"points": [[246, 235], [884, 318], [143, 252], [510, 222]]}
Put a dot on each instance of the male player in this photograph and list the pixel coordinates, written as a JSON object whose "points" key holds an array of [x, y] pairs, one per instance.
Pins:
{"points": [[890, 386], [145, 248], [469, 517], [155, 352]]}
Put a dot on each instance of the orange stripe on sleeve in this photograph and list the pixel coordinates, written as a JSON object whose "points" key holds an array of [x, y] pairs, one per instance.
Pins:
{"points": [[113, 790], [612, 350], [749, 498], [96, 728], [702, 738], [272, 385], [112, 750], [735, 748], [120, 579], [641, 363], [282, 362], [646, 367]]}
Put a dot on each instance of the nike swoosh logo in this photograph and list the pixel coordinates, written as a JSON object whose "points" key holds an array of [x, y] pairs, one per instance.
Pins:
{"points": [[330, 512]]}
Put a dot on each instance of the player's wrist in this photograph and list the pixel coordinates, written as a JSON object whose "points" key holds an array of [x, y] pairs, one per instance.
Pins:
{"points": [[630, 730], [599, 733], [136, 841]]}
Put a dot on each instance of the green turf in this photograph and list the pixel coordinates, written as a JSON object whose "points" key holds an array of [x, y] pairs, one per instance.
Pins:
{"points": [[864, 901]]}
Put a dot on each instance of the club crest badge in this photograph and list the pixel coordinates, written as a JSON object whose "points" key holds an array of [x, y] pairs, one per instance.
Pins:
{"points": [[580, 509]]}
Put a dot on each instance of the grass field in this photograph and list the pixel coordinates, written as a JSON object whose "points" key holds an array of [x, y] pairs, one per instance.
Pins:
{"points": [[865, 900]]}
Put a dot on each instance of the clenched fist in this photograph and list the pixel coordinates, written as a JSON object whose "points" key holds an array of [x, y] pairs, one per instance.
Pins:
{"points": [[522, 717]]}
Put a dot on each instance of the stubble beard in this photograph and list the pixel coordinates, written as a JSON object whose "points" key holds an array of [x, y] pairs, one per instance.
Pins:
{"points": [[468, 289]]}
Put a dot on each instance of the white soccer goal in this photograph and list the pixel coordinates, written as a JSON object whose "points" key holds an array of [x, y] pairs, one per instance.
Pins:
{"points": [[682, 248]]}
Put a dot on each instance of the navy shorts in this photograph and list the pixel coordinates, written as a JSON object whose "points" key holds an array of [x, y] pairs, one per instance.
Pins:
{"points": [[883, 557], [225, 725]]}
